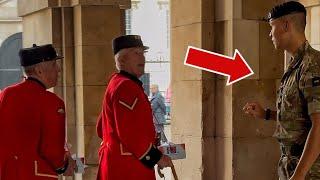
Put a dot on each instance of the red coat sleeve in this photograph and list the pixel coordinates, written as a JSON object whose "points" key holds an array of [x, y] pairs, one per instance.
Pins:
{"points": [[53, 132], [133, 119]]}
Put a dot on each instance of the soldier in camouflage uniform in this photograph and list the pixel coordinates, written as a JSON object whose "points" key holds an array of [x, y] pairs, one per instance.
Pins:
{"points": [[298, 103]]}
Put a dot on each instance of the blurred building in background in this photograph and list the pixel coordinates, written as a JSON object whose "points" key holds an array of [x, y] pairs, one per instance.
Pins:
{"points": [[10, 43], [151, 20]]}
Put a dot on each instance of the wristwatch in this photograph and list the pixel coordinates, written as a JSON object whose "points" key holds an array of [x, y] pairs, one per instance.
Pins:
{"points": [[268, 114]]}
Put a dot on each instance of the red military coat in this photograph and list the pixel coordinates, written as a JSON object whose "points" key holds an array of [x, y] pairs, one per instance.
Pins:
{"points": [[126, 127], [32, 132]]}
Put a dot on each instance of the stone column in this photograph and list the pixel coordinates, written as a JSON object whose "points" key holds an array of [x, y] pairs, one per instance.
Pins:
{"points": [[252, 141], [223, 143], [94, 62], [192, 23]]}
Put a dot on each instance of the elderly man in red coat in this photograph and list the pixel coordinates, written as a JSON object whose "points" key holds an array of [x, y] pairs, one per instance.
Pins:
{"points": [[125, 124], [32, 121]]}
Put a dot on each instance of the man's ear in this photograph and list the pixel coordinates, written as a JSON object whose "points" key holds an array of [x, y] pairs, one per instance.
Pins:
{"points": [[122, 61], [38, 69]]}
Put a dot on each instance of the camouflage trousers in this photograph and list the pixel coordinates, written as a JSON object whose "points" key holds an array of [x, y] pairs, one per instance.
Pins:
{"points": [[288, 163], [286, 166]]}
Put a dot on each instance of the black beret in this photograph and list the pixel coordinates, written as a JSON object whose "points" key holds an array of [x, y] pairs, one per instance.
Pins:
{"points": [[127, 41], [285, 9], [37, 54]]}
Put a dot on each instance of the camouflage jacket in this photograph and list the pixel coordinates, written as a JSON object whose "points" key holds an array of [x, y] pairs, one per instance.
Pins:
{"points": [[298, 98]]}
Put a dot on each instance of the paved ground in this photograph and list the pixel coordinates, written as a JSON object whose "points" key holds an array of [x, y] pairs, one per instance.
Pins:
{"points": [[167, 171]]}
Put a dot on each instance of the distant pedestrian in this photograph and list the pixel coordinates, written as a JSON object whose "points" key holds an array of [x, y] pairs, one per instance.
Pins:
{"points": [[158, 111]]}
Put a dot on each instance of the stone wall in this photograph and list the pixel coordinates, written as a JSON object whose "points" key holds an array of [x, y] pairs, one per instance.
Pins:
{"points": [[192, 23], [10, 23]]}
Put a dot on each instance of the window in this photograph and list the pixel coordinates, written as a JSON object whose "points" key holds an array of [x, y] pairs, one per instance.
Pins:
{"points": [[128, 16], [168, 27]]}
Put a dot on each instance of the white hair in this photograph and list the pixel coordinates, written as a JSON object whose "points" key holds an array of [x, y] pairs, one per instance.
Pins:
{"points": [[29, 70], [155, 85], [121, 55]]}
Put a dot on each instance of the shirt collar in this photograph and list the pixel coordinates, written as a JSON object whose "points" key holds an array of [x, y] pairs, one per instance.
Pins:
{"points": [[155, 94], [298, 55], [130, 76]]}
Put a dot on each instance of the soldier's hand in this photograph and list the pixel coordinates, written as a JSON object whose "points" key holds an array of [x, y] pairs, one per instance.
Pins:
{"points": [[165, 161], [71, 166], [255, 110]]}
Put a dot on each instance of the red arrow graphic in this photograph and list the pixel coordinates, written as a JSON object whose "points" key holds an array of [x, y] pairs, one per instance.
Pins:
{"points": [[235, 68]]}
